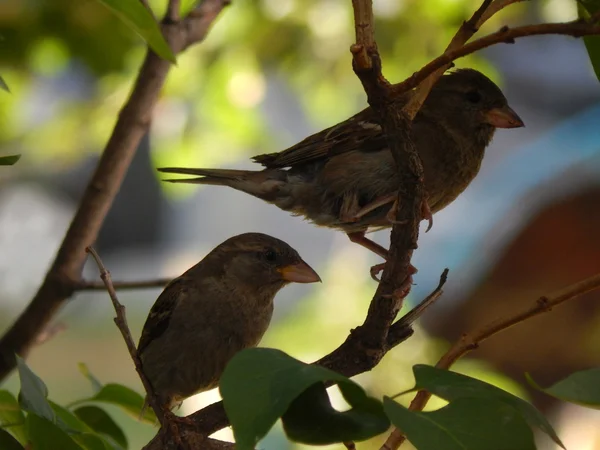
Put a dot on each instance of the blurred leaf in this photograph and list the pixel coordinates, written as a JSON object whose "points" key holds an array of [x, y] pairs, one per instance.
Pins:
{"points": [[80, 431], [90, 441], [3, 85], [67, 420], [465, 424], [311, 419], [141, 20], [99, 420], [96, 385], [11, 416], [44, 435], [585, 9], [34, 393], [452, 386], [271, 381], [9, 160], [582, 388], [8, 442], [124, 397]]}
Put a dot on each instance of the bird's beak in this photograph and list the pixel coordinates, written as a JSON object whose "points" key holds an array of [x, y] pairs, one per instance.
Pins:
{"points": [[299, 273], [503, 117]]}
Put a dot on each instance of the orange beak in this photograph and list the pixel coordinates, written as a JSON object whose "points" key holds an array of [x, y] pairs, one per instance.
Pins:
{"points": [[503, 117], [299, 273]]}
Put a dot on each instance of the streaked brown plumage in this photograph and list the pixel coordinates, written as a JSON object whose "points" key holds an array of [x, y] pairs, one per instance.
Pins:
{"points": [[344, 177], [218, 307]]}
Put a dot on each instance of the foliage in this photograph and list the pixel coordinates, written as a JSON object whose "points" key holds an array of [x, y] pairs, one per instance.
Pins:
{"points": [[37, 420], [478, 415]]}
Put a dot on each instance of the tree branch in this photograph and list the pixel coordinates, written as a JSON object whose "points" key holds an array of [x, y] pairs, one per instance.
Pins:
{"points": [[121, 322], [470, 341], [464, 33], [86, 285], [133, 122], [576, 28]]}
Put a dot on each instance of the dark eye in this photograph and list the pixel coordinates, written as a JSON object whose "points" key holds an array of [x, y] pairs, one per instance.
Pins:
{"points": [[473, 96], [270, 255]]}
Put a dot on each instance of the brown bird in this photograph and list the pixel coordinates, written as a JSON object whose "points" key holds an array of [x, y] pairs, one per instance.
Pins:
{"points": [[344, 177], [218, 307]]}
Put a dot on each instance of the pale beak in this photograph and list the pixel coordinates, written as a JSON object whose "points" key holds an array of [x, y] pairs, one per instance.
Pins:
{"points": [[503, 117], [299, 273]]}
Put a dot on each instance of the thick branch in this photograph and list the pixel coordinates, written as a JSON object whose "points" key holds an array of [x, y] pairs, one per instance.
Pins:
{"points": [[470, 341], [133, 122]]}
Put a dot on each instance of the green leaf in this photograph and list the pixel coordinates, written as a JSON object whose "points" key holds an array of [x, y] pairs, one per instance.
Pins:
{"points": [[9, 160], [11, 416], [3, 85], [44, 435], [99, 421], [272, 382], [451, 386], [90, 441], [124, 397], [67, 420], [141, 20], [79, 430], [96, 384], [8, 442], [582, 388], [464, 424], [585, 9], [34, 393], [311, 419]]}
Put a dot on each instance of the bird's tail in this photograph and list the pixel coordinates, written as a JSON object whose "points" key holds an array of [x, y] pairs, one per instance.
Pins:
{"points": [[262, 184]]}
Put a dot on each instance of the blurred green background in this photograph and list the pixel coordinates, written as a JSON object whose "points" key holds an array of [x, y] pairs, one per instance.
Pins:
{"points": [[270, 73]]}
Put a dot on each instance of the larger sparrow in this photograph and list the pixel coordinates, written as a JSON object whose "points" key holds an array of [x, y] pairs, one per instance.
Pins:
{"points": [[218, 307], [345, 177]]}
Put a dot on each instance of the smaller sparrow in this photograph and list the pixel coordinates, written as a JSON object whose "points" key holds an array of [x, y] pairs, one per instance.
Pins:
{"points": [[218, 307]]}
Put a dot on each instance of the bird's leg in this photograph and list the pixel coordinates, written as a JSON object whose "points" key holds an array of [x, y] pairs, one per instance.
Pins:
{"points": [[383, 200], [358, 237]]}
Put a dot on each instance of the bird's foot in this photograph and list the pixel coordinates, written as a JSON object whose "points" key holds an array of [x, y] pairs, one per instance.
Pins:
{"points": [[376, 269], [381, 201], [426, 213]]}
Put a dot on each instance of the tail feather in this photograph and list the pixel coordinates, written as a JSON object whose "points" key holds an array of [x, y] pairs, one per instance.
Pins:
{"points": [[221, 177], [262, 184]]}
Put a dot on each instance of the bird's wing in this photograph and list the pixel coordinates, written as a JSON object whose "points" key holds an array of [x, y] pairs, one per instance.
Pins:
{"points": [[361, 132], [161, 312]]}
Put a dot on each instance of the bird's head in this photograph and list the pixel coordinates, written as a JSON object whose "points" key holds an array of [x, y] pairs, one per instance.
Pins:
{"points": [[261, 261], [467, 99]]}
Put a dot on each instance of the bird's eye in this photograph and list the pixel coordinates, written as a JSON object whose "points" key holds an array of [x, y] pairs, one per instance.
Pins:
{"points": [[473, 96], [270, 255]]}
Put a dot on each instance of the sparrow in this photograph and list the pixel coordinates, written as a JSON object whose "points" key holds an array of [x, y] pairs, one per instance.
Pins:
{"points": [[220, 306], [344, 177]]}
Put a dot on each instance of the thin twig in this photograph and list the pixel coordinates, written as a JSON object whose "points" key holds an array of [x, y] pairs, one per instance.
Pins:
{"points": [[173, 10], [470, 341], [121, 322], [87, 285], [464, 33], [507, 35], [410, 317]]}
